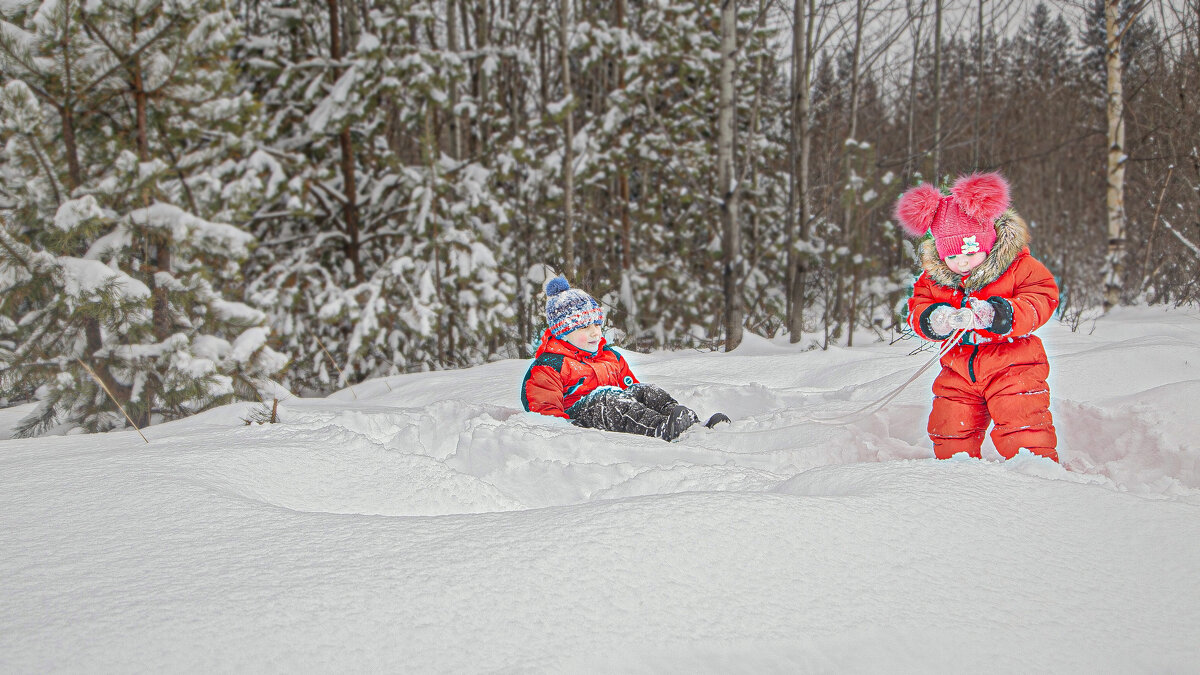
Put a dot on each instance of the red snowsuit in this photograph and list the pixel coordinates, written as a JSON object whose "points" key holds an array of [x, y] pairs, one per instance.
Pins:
{"points": [[562, 374], [989, 376]]}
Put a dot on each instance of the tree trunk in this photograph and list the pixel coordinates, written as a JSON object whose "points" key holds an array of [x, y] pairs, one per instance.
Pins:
{"points": [[623, 170], [456, 145], [632, 324], [797, 280], [849, 215], [1115, 194], [727, 180], [91, 326], [937, 92], [568, 162], [543, 59], [160, 312], [345, 145], [95, 342], [70, 145], [470, 125], [68, 127], [483, 36], [911, 148], [979, 89], [798, 81]]}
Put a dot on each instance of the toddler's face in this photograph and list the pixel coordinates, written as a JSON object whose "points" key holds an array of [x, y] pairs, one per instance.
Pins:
{"points": [[586, 338], [962, 264]]}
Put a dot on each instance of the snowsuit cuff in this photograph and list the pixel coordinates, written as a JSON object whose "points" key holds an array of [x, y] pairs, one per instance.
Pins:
{"points": [[1002, 324]]}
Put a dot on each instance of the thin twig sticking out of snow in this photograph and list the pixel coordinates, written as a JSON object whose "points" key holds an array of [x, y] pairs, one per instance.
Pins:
{"points": [[341, 375], [114, 398]]}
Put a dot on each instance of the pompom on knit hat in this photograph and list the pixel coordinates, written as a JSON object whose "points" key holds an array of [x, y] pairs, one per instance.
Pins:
{"points": [[964, 221], [569, 309]]}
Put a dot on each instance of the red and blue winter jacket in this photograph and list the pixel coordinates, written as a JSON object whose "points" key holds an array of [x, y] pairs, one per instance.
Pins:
{"points": [[561, 374]]}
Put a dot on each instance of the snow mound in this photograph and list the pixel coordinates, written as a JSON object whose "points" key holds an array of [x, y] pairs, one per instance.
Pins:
{"points": [[426, 520], [374, 462]]}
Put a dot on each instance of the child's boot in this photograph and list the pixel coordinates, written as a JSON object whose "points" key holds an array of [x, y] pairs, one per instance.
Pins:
{"points": [[716, 419], [678, 420]]}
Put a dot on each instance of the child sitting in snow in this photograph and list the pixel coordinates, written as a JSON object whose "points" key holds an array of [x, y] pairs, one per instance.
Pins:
{"points": [[979, 276], [577, 376]]}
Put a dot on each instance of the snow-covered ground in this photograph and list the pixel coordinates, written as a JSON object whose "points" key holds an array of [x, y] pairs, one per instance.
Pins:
{"points": [[427, 524]]}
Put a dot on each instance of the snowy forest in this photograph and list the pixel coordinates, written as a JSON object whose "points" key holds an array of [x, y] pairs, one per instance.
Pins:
{"points": [[220, 200]]}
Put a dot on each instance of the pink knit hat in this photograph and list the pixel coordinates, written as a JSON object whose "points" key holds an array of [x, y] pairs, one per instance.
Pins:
{"points": [[962, 222]]}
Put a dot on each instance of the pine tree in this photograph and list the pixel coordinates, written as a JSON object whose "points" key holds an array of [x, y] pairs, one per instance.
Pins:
{"points": [[385, 256], [1137, 42], [127, 148], [1044, 50]]}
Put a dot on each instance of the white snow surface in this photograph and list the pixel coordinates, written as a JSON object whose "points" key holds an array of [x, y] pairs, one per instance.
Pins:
{"points": [[427, 524]]}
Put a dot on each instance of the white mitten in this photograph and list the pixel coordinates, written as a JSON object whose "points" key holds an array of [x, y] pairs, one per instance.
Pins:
{"points": [[963, 319], [944, 320], [984, 313], [939, 320]]}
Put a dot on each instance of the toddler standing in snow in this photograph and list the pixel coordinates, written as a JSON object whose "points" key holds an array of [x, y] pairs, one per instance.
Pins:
{"points": [[576, 375], [979, 276]]}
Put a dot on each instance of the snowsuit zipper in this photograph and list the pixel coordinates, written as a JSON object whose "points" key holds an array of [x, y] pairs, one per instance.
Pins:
{"points": [[963, 302]]}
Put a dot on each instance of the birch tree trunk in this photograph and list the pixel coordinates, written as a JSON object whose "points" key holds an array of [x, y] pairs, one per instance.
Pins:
{"points": [[731, 240], [1115, 193], [568, 163]]}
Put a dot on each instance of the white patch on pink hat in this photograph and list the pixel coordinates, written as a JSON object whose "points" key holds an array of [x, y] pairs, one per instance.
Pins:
{"points": [[970, 245]]}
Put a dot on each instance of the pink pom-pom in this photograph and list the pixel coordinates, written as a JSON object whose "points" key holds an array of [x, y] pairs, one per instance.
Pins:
{"points": [[983, 196], [915, 209]]}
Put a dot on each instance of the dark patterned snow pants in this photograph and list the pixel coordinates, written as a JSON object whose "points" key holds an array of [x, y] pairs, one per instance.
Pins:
{"points": [[640, 409]]}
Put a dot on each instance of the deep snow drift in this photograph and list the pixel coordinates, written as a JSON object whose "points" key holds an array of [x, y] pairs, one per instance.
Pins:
{"points": [[426, 524]]}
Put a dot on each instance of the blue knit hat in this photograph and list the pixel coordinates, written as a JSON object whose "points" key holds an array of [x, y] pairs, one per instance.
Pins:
{"points": [[569, 309]]}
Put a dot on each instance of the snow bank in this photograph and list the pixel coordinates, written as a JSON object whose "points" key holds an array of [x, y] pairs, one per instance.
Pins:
{"points": [[426, 521]]}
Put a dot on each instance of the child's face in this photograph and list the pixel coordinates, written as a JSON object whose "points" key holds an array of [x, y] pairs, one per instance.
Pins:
{"points": [[586, 338], [962, 264]]}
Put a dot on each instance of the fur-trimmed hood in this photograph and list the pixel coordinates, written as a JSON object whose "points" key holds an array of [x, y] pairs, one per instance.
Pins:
{"points": [[1012, 236]]}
